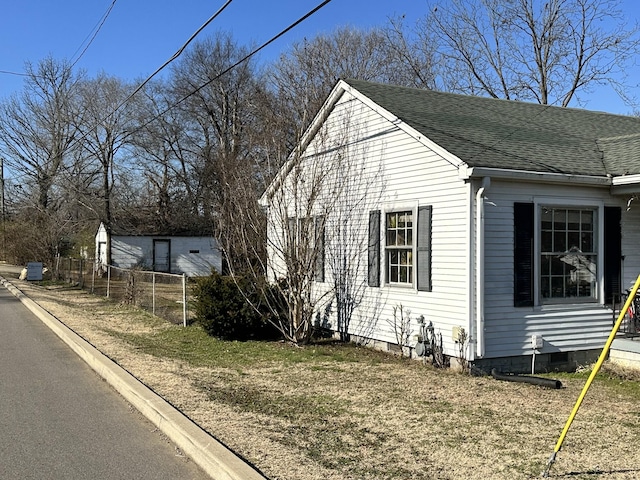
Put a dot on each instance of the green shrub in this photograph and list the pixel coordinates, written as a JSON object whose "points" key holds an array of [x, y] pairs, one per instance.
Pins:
{"points": [[223, 311]]}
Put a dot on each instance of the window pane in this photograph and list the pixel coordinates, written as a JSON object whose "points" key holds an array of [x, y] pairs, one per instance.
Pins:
{"points": [[586, 242], [400, 238], [409, 237], [587, 221], [559, 241], [546, 218], [403, 275], [391, 237], [546, 243], [392, 220], [573, 220], [559, 219], [557, 287], [393, 274], [573, 241], [557, 266], [545, 265]]}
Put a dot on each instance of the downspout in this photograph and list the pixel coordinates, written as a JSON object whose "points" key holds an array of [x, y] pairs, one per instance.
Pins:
{"points": [[486, 183]]}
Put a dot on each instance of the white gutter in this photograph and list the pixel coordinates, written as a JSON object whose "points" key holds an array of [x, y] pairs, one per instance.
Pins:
{"points": [[625, 185], [465, 173], [486, 182]]}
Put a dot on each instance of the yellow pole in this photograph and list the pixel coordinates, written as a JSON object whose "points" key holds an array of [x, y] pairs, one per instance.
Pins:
{"points": [[594, 372]]}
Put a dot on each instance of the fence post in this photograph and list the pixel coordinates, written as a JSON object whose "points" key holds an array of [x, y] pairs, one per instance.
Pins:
{"points": [[184, 299], [93, 276], [108, 279], [153, 293]]}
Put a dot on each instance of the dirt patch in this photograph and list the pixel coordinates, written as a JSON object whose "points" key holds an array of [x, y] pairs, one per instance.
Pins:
{"points": [[387, 420]]}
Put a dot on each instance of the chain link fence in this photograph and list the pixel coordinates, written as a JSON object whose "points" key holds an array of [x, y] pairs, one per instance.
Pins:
{"points": [[163, 294]]}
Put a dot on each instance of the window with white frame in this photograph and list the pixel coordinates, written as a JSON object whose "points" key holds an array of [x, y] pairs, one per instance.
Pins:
{"points": [[399, 247], [568, 254]]}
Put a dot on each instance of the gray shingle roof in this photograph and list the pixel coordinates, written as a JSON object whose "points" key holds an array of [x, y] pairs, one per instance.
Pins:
{"points": [[488, 132]]}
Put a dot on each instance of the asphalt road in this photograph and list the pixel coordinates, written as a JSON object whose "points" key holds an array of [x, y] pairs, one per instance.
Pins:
{"points": [[59, 420]]}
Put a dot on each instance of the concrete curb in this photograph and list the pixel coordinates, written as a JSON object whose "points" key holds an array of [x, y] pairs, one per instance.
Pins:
{"points": [[214, 458]]}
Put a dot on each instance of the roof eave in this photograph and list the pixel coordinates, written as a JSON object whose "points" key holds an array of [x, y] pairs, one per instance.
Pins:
{"points": [[625, 185], [467, 173]]}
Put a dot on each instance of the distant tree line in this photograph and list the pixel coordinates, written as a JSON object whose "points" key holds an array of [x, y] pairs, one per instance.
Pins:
{"points": [[193, 150]]}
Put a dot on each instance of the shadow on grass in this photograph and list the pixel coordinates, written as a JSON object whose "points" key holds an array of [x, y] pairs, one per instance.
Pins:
{"points": [[598, 472]]}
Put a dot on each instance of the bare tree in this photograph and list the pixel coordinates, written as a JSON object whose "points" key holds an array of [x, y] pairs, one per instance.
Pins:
{"points": [[304, 76], [105, 129], [220, 114], [414, 57], [317, 208], [168, 195], [548, 52], [38, 128], [38, 134]]}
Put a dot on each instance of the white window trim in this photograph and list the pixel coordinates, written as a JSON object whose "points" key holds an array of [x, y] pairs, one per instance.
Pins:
{"points": [[391, 208], [583, 203]]}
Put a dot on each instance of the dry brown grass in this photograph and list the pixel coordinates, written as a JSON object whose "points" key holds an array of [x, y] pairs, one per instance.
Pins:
{"points": [[380, 418]]}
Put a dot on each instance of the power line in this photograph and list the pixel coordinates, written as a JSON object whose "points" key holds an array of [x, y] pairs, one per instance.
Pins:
{"points": [[174, 56], [228, 69], [96, 30], [95, 33], [19, 74]]}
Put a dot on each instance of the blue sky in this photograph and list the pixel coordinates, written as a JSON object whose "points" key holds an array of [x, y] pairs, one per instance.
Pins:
{"points": [[140, 35]]}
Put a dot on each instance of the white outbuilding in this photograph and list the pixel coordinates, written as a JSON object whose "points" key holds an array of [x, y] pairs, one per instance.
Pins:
{"points": [[191, 255]]}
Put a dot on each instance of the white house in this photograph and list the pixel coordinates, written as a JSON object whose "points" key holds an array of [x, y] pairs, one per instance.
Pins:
{"points": [[514, 222], [192, 255]]}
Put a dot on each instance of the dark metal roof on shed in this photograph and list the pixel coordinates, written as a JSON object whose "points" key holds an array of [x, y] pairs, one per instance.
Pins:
{"points": [[494, 133]]}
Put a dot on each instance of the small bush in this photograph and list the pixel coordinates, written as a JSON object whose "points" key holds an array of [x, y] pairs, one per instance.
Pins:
{"points": [[223, 311]]}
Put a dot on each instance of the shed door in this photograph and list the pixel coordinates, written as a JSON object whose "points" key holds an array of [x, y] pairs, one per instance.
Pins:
{"points": [[162, 255], [102, 253]]}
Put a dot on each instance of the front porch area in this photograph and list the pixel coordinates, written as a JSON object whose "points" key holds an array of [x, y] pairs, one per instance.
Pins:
{"points": [[625, 351]]}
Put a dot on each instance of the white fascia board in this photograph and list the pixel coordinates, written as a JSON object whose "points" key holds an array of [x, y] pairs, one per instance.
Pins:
{"points": [[626, 185], [524, 175], [626, 180]]}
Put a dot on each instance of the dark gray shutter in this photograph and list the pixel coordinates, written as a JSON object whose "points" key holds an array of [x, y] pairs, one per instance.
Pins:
{"points": [[374, 248], [423, 249], [319, 249], [612, 253], [523, 219]]}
